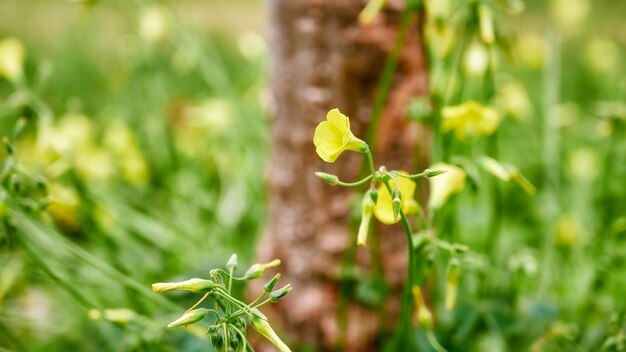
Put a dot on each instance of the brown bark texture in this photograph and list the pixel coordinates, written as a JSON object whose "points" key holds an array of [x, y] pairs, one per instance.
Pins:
{"points": [[321, 58]]}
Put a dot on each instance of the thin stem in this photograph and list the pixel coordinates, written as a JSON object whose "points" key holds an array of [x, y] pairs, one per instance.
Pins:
{"points": [[200, 301], [354, 184], [370, 159], [230, 278], [433, 342]]}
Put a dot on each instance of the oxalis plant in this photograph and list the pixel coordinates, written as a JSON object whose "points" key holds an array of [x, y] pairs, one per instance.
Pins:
{"points": [[390, 198], [231, 316]]}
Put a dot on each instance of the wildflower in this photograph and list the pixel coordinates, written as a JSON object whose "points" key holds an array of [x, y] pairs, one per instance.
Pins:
{"points": [[260, 324], [384, 206], [514, 100], [476, 59], [470, 119], [446, 184], [153, 24], [333, 137], [11, 59], [64, 206], [193, 285], [190, 317]]}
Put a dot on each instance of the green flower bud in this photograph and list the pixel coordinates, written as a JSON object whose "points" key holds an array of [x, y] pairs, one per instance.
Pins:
{"points": [[260, 324], [432, 173], [232, 262], [452, 283], [396, 203], [241, 324], [329, 178], [193, 285], [280, 293], [217, 340], [367, 208], [191, 317], [257, 270], [269, 286]]}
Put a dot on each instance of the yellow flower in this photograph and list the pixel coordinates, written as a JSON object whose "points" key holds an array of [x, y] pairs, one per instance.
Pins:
{"points": [[445, 185], [11, 59], [384, 206], [262, 326], [333, 136], [470, 119]]}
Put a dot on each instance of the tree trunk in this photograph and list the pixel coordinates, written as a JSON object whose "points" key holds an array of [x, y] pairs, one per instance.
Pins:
{"points": [[321, 58]]}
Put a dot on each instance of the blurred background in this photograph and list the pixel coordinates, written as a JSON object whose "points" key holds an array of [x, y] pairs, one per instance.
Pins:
{"points": [[136, 150]]}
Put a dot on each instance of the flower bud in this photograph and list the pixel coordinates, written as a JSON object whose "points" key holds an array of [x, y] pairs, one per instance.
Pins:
{"points": [[452, 283], [232, 262], [217, 340], [191, 317], [396, 204], [329, 178], [193, 285], [424, 316], [269, 286], [373, 193], [432, 173], [485, 18], [260, 324], [280, 293], [257, 270], [367, 207]]}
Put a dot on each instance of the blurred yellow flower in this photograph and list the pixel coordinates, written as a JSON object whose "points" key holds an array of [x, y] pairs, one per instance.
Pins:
{"points": [[584, 164], [531, 49], [63, 206], [602, 55], [443, 186], [476, 59], [384, 206], [470, 119], [570, 15], [567, 231], [333, 137], [11, 59], [153, 23], [514, 100]]}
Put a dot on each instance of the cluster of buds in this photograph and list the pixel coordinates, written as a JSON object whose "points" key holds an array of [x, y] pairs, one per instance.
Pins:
{"points": [[231, 316]]}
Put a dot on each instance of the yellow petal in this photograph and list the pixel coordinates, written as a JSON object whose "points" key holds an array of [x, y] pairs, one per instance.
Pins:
{"points": [[384, 207], [445, 185], [338, 119]]}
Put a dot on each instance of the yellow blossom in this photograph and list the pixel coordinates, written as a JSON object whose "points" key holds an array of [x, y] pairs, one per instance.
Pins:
{"points": [[153, 23], [384, 206], [64, 205], [470, 119], [262, 326], [445, 185], [11, 59], [333, 136]]}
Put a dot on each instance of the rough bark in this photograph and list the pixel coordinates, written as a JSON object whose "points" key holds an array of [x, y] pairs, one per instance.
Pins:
{"points": [[322, 58]]}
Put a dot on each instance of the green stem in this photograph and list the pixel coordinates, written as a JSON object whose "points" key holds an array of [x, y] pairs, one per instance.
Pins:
{"points": [[386, 80], [370, 159], [354, 184], [433, 342]]}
